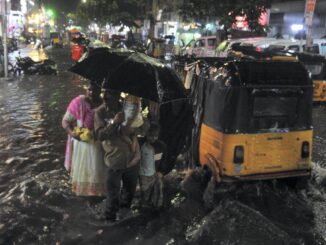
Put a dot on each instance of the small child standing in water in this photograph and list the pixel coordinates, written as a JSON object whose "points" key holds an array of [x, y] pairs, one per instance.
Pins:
{"points": [[150, 180]]}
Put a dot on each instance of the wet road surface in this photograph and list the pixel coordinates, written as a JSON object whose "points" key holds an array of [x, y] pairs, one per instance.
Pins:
{"points": [[37, 206]]}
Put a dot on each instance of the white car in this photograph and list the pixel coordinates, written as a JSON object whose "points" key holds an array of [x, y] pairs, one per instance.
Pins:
{"points": [[318, 47], [226, 46], [287, 44], [201, 47]]}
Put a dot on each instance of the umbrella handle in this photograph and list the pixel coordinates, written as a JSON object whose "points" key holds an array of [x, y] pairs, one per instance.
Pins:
{"points": [[158, 86]]}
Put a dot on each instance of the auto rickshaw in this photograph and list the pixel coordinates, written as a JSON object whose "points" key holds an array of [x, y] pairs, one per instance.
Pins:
{"points": [[316, 65], [56, 39], [254, 120]]}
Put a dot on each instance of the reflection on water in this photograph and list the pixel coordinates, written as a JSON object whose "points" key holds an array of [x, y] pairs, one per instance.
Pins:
{"points": [[31, 110], [319, 122], [31, 146]]}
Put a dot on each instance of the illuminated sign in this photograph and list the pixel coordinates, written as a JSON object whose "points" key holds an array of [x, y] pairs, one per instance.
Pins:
{"points": [[309, 12], [242, 24]]}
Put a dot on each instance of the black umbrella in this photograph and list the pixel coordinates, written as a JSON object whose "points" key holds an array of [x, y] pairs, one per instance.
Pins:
{"points": [[146, 77], [99, 63], [132, 72]]}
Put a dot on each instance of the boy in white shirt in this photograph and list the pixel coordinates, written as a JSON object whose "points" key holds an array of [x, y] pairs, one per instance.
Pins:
{"points": [[150, 179]]}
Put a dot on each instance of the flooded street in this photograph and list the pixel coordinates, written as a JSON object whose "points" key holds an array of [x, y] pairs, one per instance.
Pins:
{"points": [[37, 206]]}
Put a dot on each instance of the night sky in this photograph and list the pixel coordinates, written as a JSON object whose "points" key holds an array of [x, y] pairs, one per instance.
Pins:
{"points": [[62, 5]]}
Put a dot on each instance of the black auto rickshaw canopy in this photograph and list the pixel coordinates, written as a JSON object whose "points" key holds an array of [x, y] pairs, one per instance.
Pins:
{"points": [[315, 64], [242, 94], [54, 35]]}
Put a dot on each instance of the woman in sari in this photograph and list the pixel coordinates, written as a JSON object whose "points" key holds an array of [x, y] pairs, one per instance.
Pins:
{"points": [[84, 157]]}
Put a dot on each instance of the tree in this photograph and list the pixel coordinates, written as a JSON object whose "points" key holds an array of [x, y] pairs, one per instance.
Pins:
{"points": [[92, 10], [252, 10], [226, 11], [115, 12]]}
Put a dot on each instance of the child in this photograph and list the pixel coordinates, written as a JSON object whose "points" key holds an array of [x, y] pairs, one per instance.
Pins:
{"points": [[150, 180]]}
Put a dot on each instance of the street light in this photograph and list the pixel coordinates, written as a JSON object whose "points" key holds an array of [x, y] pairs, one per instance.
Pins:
{"points": [[50, 13], [296, 27], [84, 1]]}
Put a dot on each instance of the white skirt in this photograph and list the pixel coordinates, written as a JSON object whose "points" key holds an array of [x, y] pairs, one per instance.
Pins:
{"points": [[88, 172]]}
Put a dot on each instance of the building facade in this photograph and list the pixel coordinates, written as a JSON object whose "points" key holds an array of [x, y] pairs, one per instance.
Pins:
{"points": [[287, 18], [16, 12]]}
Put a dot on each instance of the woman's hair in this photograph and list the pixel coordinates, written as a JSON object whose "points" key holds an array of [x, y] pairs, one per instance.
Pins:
{"points": [[154, 127], [94, 85]]}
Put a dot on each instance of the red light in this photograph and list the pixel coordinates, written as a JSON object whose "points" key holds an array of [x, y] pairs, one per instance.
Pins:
{"points": [[241, 23], [263, 20], [259, 49]]}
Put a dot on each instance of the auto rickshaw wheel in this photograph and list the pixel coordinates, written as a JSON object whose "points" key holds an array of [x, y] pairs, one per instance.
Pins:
{"points": [[302, 182], [297, 183]]}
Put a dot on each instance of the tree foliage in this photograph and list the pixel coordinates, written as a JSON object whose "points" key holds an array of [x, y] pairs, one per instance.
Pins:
{"points": [[226, 11], [114, 12]]}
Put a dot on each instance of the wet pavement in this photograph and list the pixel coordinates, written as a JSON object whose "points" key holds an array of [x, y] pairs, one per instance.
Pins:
{"points": [[37, 206]]}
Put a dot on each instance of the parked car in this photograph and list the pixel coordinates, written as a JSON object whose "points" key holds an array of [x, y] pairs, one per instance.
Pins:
{"points": [[226, 46], [287, 45], [201, 47], [318, 47]]}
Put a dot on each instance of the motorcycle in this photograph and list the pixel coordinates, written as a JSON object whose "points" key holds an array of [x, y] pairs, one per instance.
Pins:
{"points": [[12, 45], [31, 67], [11, 67], [138, 46]]}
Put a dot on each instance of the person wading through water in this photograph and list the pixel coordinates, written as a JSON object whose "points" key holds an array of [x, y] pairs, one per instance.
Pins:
{"points": [[84, 157], [122, 154]]}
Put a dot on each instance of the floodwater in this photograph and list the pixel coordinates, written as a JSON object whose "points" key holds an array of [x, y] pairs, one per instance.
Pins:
{"points": [[37, 206]]}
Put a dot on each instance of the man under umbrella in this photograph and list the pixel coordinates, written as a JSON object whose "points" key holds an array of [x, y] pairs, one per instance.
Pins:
{"points": [[122, 154]]}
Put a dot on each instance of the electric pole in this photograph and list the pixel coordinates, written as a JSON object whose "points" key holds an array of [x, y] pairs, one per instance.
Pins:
{"points": [[4, 36], [309, 14]]}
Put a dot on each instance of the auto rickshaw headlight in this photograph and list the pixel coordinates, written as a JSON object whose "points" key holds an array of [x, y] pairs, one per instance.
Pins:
{"points": [[238, 154], [305, 151]]}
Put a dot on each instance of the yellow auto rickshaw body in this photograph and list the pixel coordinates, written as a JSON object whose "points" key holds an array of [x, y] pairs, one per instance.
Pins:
{"points": [[266, 155], [256, 120], [319, 91], [56, 39]]}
